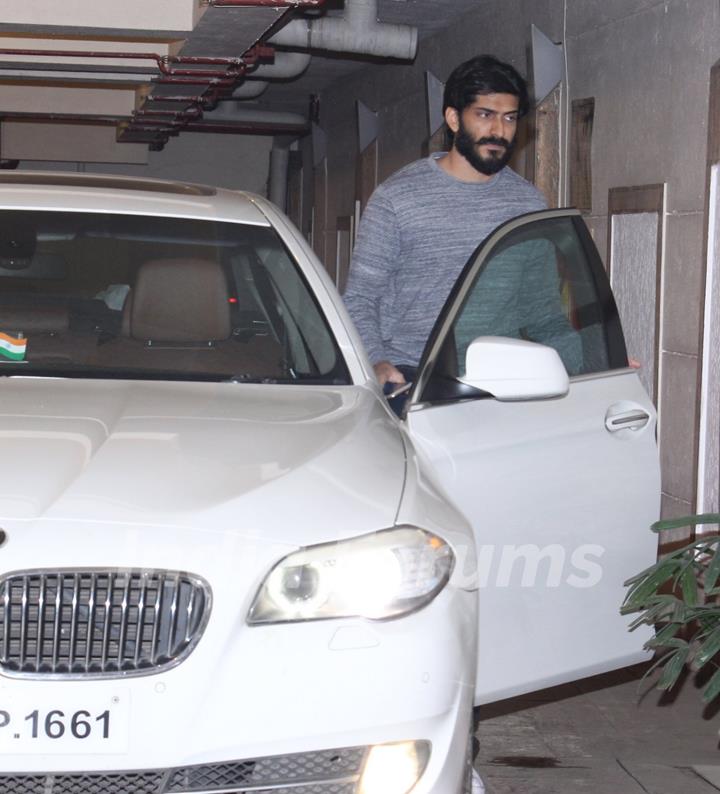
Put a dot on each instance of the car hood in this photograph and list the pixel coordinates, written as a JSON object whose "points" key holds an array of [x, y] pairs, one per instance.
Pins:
{"points": [[290, 464]]}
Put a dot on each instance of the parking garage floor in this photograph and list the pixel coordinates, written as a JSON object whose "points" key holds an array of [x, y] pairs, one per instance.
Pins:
{"points": [[611, 734]]}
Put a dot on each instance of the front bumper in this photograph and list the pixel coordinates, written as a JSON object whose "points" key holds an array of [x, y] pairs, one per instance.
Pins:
{"points": [[287, 708]]}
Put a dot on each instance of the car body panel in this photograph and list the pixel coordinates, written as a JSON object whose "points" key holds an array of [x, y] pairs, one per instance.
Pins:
{"points": [[242, 458], [561, 491], [568, 498], [96, 193]]}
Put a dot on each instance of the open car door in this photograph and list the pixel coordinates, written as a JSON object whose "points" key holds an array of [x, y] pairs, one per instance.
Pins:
{"points": [[540, 432]]}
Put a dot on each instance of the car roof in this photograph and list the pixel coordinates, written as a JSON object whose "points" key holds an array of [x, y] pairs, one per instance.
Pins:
{"points": [[79, 192]]}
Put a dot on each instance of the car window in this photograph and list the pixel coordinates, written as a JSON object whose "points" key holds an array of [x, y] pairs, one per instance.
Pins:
{"points": [[103, 295], [542, 281]]}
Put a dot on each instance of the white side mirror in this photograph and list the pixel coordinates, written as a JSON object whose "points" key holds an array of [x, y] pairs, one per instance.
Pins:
{"points": [[514, 369]]}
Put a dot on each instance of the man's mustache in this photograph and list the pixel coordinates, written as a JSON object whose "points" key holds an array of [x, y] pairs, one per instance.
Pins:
{"points": [[494, 140]]}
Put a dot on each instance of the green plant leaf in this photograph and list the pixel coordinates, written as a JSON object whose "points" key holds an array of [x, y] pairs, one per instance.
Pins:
{"points": [[667, 560], [708, 649], [712, 690], [656, 577], [667, 633], [712, 572], [688, 584], [673, 668], [657, 663], [686, 521]]}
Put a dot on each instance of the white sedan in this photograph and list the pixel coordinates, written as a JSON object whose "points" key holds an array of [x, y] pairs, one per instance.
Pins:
{"points": [[226, 566]]}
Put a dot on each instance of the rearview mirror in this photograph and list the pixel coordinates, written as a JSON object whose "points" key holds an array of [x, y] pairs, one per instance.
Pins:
{"points": [[514, 369]]}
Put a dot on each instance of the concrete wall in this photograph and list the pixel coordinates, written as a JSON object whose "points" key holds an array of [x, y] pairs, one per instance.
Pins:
{"points": [[230, 161], [647, 64], [397, 93]]}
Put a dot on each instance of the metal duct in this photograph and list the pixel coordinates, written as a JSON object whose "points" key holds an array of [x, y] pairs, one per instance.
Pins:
{"points": [[358, 31], [277, 188], [234, 111], [285, 66], [271, 3], [250, 90]]}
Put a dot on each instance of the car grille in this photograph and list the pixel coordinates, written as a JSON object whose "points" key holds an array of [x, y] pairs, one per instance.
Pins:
{"points": [[100, 623], [323, 772]]}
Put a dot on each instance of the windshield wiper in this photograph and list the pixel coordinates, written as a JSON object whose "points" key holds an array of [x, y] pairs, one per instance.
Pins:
{"points": [[308, 380], [245, 378]]}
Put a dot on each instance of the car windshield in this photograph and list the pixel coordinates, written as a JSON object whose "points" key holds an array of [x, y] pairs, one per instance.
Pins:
{"points": [[129, 296]]}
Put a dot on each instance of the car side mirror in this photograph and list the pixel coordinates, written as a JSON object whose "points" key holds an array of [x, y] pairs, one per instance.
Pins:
{"points": [[514, 369]]}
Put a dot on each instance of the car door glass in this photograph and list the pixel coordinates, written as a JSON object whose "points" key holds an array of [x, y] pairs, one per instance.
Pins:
{"points": [[89, 294], [539, 279], [539, 283]]}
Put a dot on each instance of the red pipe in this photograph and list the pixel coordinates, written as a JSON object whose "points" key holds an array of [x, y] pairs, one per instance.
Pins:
{"points": [[251, 57], [189, 100], [190, 113], [158, 134], [208, 81], [81, 54], [247, 128], [216, 84], [233, 71], [64, 118], [270, 3], [144, 122]]}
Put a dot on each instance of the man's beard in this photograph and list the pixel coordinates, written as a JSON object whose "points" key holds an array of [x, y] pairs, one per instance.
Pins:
{"points": [[468, 148]]}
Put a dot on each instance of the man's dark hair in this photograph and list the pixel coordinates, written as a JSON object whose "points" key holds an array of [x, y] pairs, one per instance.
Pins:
{"points": [[484, 74]]}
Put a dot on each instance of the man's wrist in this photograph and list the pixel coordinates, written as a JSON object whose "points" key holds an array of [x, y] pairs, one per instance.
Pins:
{"points": [[385, 372]]}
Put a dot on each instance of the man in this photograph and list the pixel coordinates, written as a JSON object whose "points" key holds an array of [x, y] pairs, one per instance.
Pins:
{"points": [[422, 224]]}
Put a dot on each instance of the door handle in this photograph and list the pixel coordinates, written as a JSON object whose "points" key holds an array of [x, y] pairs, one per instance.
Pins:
{"points": [[626, 420]]}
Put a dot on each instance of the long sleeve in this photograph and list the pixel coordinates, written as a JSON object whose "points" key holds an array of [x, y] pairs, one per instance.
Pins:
{"points": [[372, 271]]}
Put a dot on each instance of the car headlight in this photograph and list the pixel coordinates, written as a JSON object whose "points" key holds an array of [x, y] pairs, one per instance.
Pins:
{"points": [[382, 575], [393, 768]]}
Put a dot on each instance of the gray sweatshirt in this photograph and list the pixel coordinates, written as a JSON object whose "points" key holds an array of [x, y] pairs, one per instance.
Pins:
{"points": [[418, 231]]}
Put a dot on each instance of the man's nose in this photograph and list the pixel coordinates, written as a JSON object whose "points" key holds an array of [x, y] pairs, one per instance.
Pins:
{"points": [[498, 126]]}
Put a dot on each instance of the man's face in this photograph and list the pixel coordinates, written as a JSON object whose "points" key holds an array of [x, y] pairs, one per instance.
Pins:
{"points": [[485, 131]]}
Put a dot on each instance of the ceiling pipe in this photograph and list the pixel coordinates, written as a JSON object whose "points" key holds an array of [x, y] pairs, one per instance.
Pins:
{"points": [[285, 66], [182, 98], [267, 3], [238, 121], [269, 117], [63, 118], [248, 128], [167, 64], [209, 81], [192, 113], [250, 90], [259, 124], [278, 176], [217, 85], [358, 31]]}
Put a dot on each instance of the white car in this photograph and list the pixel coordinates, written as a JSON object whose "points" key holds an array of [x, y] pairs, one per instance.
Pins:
{"points": [[226, 566]]}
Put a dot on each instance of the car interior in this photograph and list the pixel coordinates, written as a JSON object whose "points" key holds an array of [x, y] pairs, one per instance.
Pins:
{"points": [[102, 295]]}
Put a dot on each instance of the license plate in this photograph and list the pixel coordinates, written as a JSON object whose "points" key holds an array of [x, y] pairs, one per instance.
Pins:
{"points": [[96, 724]]}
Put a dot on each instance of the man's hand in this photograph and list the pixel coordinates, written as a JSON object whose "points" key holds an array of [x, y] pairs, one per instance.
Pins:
{"points": [[386, 373]]}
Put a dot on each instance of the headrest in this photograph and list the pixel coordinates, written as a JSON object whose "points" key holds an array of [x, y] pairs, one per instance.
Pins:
{"points": [[179, 300]]}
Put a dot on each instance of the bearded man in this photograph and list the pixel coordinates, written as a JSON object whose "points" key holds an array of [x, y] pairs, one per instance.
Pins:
{"points": [[421, 225]]}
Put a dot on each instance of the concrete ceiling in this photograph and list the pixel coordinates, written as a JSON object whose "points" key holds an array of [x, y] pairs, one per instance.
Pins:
{"points": [[123, 74]]}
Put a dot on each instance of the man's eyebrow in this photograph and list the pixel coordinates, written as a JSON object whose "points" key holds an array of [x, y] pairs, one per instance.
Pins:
{"points": [[499, 112]]}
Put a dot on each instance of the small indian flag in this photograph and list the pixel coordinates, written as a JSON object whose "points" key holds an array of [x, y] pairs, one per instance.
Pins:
{"points": [[12, 347]]}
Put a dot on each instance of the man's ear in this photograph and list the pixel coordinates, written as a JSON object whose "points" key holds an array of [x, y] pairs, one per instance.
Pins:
{"points": [[452, 119]]}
